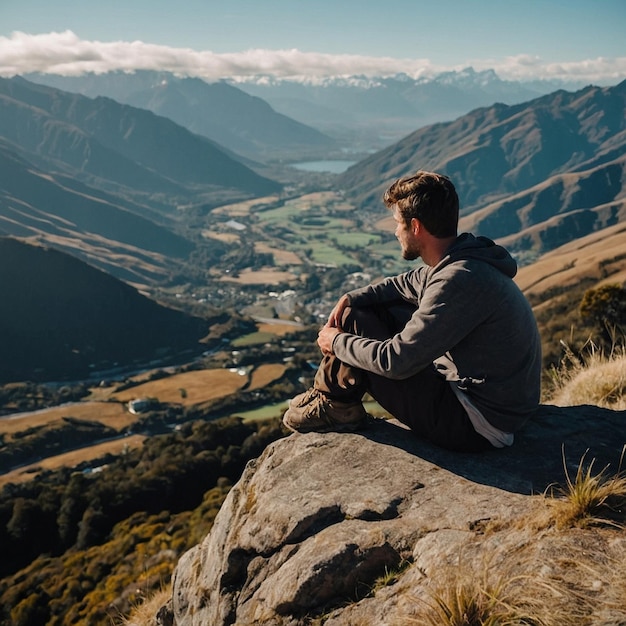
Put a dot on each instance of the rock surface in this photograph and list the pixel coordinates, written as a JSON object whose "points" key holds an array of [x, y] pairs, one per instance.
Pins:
{"points": [[357, 528]]}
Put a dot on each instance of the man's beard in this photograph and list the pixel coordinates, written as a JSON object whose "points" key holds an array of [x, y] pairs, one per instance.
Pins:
{"points": [[410, 254]]}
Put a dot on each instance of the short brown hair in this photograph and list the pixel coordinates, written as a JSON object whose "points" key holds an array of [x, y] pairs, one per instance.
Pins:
{"points": [[431, 198]]}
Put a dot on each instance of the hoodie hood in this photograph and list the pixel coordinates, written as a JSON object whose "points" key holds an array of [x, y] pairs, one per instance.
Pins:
{"points": [[468, 246]]}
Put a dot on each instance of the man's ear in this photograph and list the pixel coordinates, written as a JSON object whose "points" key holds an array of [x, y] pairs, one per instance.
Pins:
{"points": [[416, 225]]}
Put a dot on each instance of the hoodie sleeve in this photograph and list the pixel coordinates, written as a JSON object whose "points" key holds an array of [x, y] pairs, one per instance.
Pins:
{"points": [[407, 286], [447, 313]]}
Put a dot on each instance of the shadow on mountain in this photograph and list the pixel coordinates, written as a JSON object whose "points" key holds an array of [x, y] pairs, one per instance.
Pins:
{"points": [[63, 319]]}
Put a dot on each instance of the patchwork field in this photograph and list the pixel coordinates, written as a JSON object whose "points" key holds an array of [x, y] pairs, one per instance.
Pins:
{"points": [[111, 410], [320, 228], [197, 387]]}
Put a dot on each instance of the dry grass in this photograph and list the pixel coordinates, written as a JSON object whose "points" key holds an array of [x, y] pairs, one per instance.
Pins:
{"points": [[266, 374], [281, 257], [590, 497], [278, 328], [563, 584], [267, 276], [596, 379], [110, 414], [469, 604], [461, 596], [188, 388], [144, 614]]}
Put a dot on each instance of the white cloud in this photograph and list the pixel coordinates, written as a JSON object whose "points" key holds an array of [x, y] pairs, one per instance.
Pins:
{"points": [[65, 53]]}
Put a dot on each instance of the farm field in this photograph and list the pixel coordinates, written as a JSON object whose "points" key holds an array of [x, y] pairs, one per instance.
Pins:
{"points": [[264, 276], [186, 389], [71, 458], [278, 408], [320, 228], [199, 386], [264, 412], [111, 414]]}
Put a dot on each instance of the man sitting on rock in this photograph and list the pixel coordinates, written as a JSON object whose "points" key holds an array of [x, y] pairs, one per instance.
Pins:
{"points": [[450, 348]]}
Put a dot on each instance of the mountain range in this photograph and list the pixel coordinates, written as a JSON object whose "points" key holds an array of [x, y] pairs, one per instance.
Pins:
{"points": [[533, 171], [534, 175], [242, 123], [278, 118], [126, 146], [393, 105], [107, 181], [129, 192], [115, 235]]}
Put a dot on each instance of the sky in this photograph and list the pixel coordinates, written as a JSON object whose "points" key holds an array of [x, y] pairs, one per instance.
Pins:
{"points": [[582, 40]]}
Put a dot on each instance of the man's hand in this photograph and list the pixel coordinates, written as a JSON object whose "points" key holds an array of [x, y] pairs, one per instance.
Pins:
{"points": [[334, 319], [332, 327], [326, 337]]}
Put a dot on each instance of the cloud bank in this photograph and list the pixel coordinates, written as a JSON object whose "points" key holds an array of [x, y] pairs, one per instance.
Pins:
{"points": [[65, 53]]}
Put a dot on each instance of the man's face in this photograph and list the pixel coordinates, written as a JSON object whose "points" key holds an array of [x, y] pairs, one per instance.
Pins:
{"points": [[405, 235]]}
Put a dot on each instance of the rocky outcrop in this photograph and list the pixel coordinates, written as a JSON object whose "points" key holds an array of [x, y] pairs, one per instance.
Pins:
{"points": [[359, 528]]}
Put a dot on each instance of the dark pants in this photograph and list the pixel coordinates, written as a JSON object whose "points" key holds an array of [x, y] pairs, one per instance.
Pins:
{"points": [[425, 402]]}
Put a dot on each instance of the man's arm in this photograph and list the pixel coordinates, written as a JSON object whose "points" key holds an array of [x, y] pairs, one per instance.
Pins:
{"points": [[385, 290], [455, 302], [407, 286]]}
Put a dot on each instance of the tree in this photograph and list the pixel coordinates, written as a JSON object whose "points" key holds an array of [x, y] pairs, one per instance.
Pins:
{"points": [[31, 611], [23, 522], [72, 508], [606, 307]]}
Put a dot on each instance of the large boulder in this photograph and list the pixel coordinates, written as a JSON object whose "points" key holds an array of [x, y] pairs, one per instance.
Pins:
{"points": [[357, 527]]}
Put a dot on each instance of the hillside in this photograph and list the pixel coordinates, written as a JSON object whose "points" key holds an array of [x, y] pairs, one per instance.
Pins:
{"points": [[561, 208], [234, 119], [129, 240], [100, 140], [518, 167], [599, 257], [111, 184], [557, 281], [64, 319]]}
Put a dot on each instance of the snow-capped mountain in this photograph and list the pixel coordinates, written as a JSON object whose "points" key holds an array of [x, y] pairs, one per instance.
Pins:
{"points": [[392, 106]]}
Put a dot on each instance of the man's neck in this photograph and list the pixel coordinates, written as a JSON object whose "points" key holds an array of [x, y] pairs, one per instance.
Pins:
{"points": [[435, 249]]}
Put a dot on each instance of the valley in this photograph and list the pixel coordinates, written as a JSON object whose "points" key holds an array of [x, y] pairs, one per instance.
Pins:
{"points": [[312, 249], [159, 310]]}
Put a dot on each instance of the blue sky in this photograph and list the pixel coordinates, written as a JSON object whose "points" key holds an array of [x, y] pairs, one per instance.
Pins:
{"points": [[217, 38]]}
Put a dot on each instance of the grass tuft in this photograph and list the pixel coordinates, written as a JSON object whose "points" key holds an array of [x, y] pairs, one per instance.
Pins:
{"points": [[591, 497], [593, 378], [461, 598], [391, 575], [144, 614]]}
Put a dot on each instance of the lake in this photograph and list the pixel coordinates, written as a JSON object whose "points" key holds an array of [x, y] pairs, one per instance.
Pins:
{"points": [[333, 167]]}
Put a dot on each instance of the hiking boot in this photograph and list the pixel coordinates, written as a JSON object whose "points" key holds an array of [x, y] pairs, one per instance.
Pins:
{"points": [[312, 411]]}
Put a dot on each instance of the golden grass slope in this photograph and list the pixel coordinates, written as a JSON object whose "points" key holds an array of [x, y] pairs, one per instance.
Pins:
{"points": [[600, 255]]}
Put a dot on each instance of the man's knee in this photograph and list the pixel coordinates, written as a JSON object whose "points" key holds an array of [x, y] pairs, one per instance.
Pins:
{"points": [[372, 321]]}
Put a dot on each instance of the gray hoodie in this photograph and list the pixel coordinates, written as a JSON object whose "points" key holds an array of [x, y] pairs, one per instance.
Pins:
{"points": [[472, 323]]}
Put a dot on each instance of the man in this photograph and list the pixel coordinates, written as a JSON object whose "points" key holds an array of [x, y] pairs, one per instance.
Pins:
{"points": [[450, 348]]}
